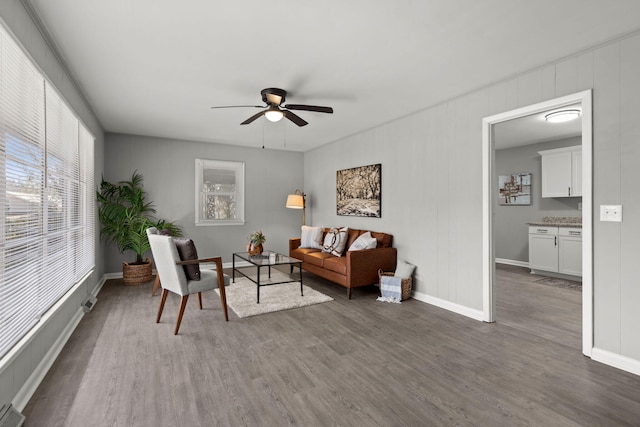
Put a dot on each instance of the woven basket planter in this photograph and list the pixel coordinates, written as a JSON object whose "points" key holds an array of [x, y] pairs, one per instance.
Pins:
{"points": [[137, 274]]}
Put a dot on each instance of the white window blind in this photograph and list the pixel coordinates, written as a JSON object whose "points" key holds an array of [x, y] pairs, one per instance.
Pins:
{"points": [[46, 194]]}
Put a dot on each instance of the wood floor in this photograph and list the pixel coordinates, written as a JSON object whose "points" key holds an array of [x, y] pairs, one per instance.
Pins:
{"points": [[343, 363]]}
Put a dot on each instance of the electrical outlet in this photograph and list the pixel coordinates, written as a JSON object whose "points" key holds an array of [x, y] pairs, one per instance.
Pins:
{"points": [[611, 213]]}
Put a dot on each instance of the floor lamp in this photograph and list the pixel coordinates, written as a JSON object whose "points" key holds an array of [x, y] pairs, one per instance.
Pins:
{"points": [[297, 201]]}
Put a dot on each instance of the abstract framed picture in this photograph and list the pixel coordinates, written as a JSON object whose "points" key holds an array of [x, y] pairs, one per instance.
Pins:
{"points": [[515, 189], [358, 191]]}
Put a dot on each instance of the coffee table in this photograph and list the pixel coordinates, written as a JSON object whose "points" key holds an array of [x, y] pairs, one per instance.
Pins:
{"points": [[266, 259]]}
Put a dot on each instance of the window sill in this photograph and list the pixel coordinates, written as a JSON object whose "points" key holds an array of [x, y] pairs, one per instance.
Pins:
{"points": [[218, 223]]}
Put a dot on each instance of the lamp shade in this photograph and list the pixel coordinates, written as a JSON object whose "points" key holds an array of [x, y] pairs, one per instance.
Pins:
{"points": [[273, 114], [295, 201]]}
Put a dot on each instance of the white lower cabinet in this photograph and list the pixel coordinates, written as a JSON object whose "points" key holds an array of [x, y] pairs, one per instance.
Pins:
{"points": [[543, 248], [555, 249], [570, 251]]}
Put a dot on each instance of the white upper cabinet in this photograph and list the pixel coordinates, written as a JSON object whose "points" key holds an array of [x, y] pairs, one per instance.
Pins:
{"points": [[562, 172]]}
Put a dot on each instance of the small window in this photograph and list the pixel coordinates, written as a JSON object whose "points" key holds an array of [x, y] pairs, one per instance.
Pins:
{"points": [[219, 192]]}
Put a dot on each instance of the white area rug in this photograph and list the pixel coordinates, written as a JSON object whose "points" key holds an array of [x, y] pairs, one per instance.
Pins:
{"points": [[241, 295]]}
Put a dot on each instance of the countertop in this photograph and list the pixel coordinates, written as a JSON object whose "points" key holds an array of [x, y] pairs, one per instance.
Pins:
{"points": [[559, 221]]}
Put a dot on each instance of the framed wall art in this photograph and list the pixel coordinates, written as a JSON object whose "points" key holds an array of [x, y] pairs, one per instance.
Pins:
{"points": [[514, 189], [358, 191]]}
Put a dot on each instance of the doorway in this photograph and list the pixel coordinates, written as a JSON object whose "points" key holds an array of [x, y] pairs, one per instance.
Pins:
{"points": [[584, 99]]}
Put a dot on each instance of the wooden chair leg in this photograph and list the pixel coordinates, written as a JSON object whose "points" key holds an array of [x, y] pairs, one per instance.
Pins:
{"points": [[156, 285], [200, 300], [223, 300], [183, 304], [162, 301]]}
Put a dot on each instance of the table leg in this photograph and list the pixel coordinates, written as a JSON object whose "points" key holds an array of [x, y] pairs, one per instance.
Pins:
{"points": [[258, 285], [301, 292], [233, 269]]}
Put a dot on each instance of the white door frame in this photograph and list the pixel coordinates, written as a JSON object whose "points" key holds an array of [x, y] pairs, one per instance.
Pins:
{"points": [[489, 183]]}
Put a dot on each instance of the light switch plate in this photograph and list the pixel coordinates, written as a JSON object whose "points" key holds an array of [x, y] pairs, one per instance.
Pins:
{"points": [[611, 213]]}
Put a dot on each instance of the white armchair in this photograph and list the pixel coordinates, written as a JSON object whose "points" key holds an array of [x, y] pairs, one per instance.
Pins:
{"points": [[172, 277]]}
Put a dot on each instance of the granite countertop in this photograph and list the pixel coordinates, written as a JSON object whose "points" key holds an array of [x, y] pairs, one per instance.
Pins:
{"points": [[559, 221]]}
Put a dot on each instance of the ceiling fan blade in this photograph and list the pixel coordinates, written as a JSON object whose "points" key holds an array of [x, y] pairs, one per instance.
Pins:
{"points": [[316, 108], [294, 118], [253, 118], [241, 106]]}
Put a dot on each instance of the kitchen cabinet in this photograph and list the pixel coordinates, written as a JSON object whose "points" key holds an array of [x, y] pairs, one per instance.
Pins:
{"points": [[555, 249], [543, 248], [570, 251], [561, 172]]}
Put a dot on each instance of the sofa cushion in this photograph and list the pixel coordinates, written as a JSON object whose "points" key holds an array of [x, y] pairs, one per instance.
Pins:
{"points": [[299, 253], [364, 241], [404, 269], [311, 237], [353, 236], [335, 241], [337, 264], [317, 258], [384, 240]]}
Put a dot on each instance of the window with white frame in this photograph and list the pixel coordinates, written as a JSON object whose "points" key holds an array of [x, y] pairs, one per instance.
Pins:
{"points": [[47, 242], [219, 192]]}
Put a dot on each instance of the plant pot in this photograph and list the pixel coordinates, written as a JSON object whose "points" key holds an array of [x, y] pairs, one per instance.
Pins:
{"points": [[255, 249], [137, 274]]}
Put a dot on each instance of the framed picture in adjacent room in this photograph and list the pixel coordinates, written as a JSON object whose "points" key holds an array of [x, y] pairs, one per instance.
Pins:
{"points": [[358, 191], [515, 189]]}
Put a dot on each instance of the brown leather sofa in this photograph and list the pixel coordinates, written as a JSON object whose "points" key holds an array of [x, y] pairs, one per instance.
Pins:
{"points": [[354, 268]]}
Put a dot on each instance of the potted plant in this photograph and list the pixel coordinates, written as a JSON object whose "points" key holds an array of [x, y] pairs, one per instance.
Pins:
{"points": [[125, 214], [256, 239]]}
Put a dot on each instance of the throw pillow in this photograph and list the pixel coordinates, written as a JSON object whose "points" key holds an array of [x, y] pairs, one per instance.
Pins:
{"points": [[311, 237], [335, 241], [364, 241], [187, 251], [404, 269]]}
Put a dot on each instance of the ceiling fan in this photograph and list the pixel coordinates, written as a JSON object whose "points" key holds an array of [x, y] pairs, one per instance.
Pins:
{"points": [[275, 110]]}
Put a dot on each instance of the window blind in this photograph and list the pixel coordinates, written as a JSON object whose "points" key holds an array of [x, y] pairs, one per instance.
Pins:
{"points": [[46, 189]]}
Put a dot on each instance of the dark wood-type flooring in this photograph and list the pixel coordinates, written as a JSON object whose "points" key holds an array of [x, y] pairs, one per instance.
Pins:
{"points": [[343, 363]]}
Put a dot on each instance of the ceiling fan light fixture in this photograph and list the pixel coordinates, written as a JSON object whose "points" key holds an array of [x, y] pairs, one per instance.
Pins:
{"points": [[273, 115], [562, 116]]}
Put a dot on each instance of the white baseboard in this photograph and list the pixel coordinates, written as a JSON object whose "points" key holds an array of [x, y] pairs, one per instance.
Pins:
{"points": [[512, 262], [616, 360], [205, 266], [448, 305]]}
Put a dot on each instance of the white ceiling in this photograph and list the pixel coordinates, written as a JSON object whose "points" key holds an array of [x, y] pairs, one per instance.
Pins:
{"points": [[534, 128], [155, 67]]}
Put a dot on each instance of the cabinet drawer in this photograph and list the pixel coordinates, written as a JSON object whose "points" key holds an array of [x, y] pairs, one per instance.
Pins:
{"points": [[536, 229], [570, 231]]}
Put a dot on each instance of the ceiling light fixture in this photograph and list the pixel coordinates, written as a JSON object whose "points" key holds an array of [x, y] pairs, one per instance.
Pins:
{"points": [[274, 114], [562, 116]]}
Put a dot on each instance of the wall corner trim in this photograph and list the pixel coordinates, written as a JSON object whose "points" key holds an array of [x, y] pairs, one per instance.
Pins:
{"points": [[448, 305], [616, 360]]}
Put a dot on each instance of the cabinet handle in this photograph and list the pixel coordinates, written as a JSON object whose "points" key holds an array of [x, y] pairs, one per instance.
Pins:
{"points": [[569, 190], [555, 241], [541, 230]]}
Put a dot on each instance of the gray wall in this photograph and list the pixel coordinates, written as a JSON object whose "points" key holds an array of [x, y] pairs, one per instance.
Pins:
{"points": [[511, 228], [168, 168], [432, 175], [33, 356]]}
